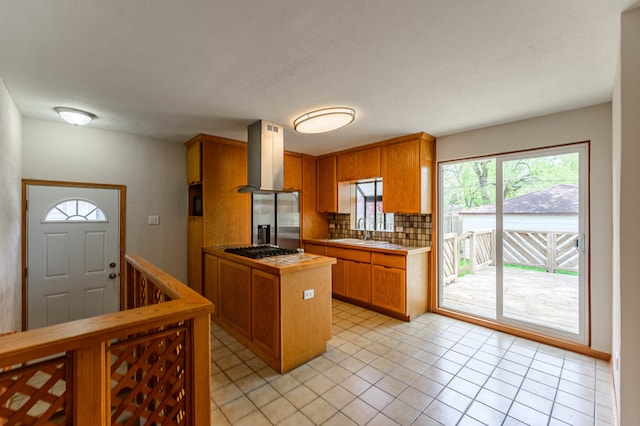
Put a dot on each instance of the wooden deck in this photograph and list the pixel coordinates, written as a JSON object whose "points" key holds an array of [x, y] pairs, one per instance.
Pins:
{"points": [[543, 298]]}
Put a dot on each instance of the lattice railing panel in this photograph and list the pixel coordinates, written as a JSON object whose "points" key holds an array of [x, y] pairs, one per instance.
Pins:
{"points": [[35, 394], [483, 248], [566, 255], [449, 246], [525, 247], [149, 380]]}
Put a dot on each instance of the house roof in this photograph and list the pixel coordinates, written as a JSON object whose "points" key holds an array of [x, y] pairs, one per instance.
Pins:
{"points": [[559, 199]]}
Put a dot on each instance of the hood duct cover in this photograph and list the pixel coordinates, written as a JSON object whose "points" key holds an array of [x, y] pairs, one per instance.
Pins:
{"points": [[265, 171]]}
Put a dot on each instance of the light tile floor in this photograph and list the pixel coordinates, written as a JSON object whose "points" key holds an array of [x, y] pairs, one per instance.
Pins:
{"points": [[433, 370]]}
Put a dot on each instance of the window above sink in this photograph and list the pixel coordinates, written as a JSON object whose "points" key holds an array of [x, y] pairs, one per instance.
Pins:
{"points": [[363, 201]]}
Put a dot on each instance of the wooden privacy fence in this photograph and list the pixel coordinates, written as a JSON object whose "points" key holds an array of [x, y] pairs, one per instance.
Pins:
{"points": [[473, 250], [147, 364]]}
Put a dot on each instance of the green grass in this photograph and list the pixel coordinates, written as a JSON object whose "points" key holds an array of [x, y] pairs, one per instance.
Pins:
{"points": [[539, 269], [464, 266]]}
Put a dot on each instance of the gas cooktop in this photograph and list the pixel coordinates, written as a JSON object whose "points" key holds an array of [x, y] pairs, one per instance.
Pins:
{"points": [[259, 252]]}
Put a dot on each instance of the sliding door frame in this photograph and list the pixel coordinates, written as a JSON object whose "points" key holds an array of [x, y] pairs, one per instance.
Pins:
{"points": [[509, 327]]}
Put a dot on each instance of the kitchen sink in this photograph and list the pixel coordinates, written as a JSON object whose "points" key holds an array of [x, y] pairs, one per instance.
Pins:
{"points": [[357, 242]]}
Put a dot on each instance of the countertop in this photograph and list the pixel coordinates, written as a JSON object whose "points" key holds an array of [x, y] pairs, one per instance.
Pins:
{"points": [[368, 245], [277, 265]]}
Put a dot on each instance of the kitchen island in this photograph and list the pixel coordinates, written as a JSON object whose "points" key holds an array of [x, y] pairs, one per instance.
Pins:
{"points": [[278, 307]]}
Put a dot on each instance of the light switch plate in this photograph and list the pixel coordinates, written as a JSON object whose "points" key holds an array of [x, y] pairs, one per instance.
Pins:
{"points": [[154, 220], [308, 294]]}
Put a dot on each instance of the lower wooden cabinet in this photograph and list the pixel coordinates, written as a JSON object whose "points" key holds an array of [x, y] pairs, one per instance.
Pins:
{"points": [[194, 253], [339, 278], [265, 309], [388, 288], [210, 285], [234, 299], [389, 282], [358, 280]]}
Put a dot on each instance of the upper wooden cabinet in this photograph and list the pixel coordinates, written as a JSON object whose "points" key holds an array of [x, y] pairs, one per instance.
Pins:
{"points": [[327, 195], [360, 164], [194, 161], [313, 224], [407, 173], [292, 171]]}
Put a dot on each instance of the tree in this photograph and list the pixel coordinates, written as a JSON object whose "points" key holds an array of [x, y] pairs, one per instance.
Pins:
{"points": [[472, 184]]}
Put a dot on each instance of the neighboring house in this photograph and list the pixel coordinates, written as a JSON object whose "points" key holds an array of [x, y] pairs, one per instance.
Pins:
{"points": [[551, 209]]}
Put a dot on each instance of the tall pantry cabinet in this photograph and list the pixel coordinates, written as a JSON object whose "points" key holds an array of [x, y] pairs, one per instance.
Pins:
{"points": [[218, 214]]}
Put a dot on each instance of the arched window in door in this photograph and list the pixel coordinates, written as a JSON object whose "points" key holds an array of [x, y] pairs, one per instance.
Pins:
{"points": [[76, 210]]}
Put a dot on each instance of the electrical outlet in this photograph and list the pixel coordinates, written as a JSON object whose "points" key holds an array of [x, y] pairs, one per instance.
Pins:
{"points": [[399, 228], [154, 220], [308, 294]]}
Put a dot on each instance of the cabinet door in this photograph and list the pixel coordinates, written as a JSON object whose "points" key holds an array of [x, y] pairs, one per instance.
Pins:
{"points": [[388, 288], [265, 309], [194, 164], [313, 224], [210, 280], [235, 296], [194, 253], [338, 278], [227, 213], [358, 280], [327, 186], [401, 177], [347, 167], [368, 163], [292, 171]]}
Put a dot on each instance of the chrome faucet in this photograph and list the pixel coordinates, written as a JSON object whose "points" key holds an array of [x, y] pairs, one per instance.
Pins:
{"points": [[366, 234]]}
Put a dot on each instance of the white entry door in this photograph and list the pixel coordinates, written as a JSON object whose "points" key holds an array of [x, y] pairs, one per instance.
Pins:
{"points": [[73, 238]]}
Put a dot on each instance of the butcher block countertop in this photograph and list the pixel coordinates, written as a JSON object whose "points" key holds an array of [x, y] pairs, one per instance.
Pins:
{"points": [[277, 265], [369, 245]]}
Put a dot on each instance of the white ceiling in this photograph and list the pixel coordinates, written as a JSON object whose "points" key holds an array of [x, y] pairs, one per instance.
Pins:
{"points": [[170, 69]]}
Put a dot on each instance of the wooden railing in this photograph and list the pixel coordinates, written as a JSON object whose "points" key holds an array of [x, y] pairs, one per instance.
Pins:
{"points": [[147, 364], [470, 251], [549, 250], [477, 248]]}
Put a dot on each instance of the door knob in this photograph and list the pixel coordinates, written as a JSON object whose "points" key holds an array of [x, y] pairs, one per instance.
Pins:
{"points": [[113, 275], [112, 265]]}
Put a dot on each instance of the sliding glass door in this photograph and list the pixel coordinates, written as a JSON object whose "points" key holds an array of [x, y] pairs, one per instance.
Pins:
{"points": [[513, 240]]}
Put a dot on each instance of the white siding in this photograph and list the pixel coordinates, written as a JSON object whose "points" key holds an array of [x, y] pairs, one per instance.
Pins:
{"points": [[522, 222]]}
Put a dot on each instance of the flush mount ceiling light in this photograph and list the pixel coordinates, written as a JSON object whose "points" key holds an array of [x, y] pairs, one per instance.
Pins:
{"points": [[324, 120], [77, 117]]}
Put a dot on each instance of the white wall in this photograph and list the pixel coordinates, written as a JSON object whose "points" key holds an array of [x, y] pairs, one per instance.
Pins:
{"points": [[626, 133], [586, 124], [615, 251], [153, 171], [10, 213]]}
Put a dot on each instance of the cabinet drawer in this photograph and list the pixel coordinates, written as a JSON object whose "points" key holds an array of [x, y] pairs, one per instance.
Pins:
{"points": [[391, 260], [355, 255], [314, 249]]}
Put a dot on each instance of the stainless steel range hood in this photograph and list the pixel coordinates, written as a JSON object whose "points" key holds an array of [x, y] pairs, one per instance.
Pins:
{"points": [[266, 158]]}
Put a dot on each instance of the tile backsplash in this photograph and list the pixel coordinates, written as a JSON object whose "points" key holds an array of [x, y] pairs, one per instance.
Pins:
{"points": [[416, 229]]}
